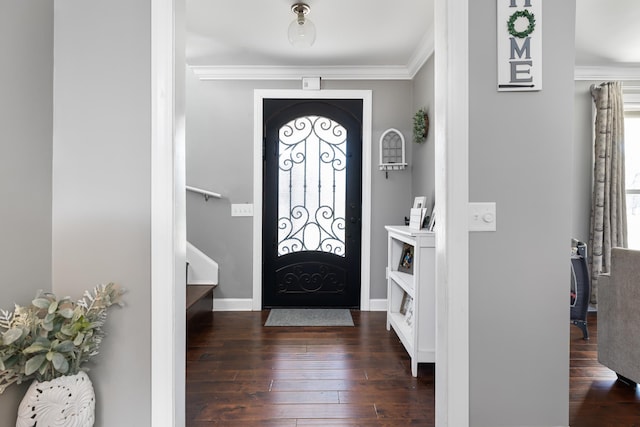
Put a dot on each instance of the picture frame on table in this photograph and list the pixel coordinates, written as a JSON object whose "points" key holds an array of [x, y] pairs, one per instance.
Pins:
{"points": [[425, 222], [406, 259], [420, 202], [432, 220], [409, 316], [416, 218], [405, 304]]}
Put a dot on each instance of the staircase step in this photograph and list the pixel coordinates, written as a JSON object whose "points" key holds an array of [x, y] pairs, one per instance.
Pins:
{"points": [[199, 304], [197, 292]]}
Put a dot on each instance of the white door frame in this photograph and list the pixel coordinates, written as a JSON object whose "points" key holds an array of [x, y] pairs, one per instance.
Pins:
{"points": [[452, 285], [452, 195], [168, 237], [258, 96]]}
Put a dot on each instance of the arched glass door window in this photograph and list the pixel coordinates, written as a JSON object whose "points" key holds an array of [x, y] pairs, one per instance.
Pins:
{"points": [[312, 186]]}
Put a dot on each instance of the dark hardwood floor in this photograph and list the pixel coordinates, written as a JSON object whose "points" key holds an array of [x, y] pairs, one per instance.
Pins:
{"points": [[240, 373], [596, 399]]}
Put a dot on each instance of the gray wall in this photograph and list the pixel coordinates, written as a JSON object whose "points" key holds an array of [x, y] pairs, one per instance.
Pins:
{"points": [[520, 157], [422, 166], [26, 119], [220, 158], [102, 188]]}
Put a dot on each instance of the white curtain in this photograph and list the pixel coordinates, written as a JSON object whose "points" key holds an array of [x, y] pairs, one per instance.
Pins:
{"points": [[608, 202]]}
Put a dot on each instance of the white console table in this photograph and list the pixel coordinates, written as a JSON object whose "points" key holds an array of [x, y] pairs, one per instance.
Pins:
{"points": [[411, 294]]}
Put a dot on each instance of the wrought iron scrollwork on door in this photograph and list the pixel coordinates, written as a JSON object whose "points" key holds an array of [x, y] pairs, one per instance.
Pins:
{"points": [[312, 186]]}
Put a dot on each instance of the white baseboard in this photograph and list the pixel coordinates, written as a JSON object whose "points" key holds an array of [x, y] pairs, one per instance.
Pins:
{"points": [[246, 304], [378, 305], [232, 304]]}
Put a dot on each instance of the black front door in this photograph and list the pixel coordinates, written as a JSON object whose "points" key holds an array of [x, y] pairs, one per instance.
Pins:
{"points": [[312, 202]]}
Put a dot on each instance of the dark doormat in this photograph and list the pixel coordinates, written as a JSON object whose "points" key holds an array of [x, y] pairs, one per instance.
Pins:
{"points": [[309, 317]]}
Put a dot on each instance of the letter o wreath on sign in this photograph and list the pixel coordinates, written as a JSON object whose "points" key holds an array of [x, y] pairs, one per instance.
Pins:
{"points": [[521, 14]]}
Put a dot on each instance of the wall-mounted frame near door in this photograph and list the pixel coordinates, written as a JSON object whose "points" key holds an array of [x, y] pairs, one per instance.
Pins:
{"points": [[259, 97]]}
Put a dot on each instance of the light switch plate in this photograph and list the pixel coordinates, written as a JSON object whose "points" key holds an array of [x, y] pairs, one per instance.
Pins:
{"points": [[482, 216], [242, 209]]}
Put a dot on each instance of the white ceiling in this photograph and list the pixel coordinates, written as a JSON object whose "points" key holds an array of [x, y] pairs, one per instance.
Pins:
{"points": [[351, 34], [607, 32], [357, 36]]}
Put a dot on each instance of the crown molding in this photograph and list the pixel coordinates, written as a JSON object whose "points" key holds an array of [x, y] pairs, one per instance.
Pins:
{"points": [[425, 49], [630, 92], [607, 72], [250, 72]]}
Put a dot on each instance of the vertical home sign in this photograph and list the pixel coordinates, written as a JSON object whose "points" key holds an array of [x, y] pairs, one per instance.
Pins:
{"points": [[519, 45]]}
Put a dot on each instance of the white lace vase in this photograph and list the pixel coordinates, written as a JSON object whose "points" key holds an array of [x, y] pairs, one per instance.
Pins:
{"points": [[67, 401]]}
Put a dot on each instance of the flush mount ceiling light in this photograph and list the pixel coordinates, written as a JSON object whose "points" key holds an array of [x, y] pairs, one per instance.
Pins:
{"points": [[302, 32]]}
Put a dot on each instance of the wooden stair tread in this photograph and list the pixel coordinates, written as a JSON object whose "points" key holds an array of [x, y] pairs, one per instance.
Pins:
{"points": [[197, 292]]}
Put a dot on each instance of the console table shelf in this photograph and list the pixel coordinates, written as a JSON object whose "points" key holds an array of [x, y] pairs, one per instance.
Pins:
{"points": [[411, 293]]}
